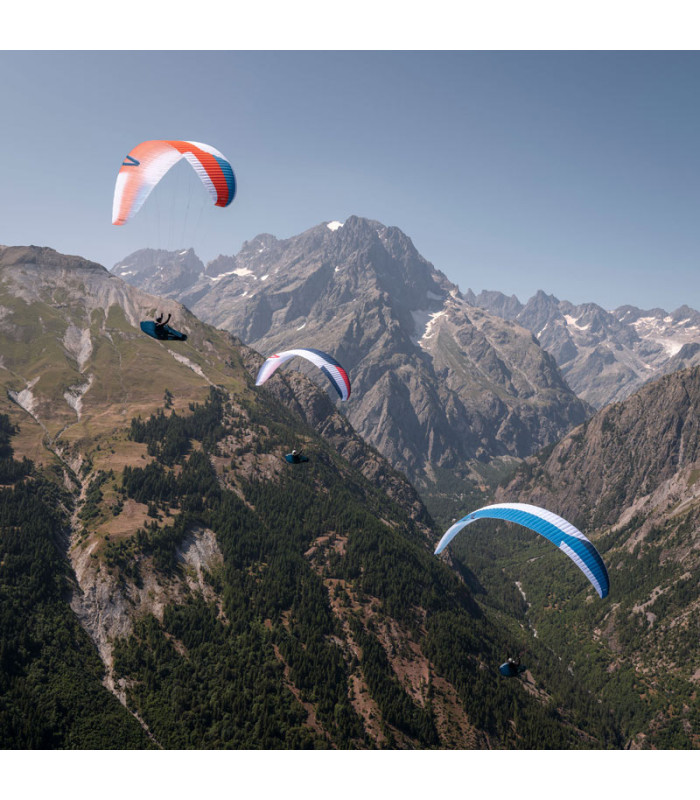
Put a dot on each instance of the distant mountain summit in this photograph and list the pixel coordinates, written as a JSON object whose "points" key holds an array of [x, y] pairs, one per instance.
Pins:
{"points": [[161, 272], [604, 355], [436, 381]]}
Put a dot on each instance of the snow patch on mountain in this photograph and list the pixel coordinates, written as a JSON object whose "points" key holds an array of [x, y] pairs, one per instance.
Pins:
{"points": [[573, 323], [667, 334], [240, 272], [424, 323], [333, 226], [672, 346]]}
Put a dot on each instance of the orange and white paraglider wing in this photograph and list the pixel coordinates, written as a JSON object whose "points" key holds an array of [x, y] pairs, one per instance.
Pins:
{"points": [[148, 162]]}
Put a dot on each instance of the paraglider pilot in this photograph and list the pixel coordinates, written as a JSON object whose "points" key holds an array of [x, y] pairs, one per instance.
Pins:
{"points": [[160, 325]]}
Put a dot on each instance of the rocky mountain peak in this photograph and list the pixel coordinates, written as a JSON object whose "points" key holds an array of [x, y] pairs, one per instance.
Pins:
{"points": [[161, 272], [435, 380], [686, 316], [497, 302], [46, 256], [604, 355]]}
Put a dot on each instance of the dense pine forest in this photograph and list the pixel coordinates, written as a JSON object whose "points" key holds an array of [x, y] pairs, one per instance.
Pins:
{"points": [[275, 602], [565, 633], [324, 588], [51, 695]]}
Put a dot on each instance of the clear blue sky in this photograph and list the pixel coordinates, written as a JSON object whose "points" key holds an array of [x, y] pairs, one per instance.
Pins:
{"points": [[573, 172]]}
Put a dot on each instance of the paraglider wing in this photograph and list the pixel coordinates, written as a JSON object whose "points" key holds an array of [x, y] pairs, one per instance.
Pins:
{"points": [[148, 162], [295, 458], [165, 332], [511, 670], [327, 364], [560, 532]]}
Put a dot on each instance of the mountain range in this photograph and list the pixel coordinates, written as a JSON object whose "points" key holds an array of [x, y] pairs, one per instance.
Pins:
{"points": [[603, 355], [438, 383], [168, 580]]}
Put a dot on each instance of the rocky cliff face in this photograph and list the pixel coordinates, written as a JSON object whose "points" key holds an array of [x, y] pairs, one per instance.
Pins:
{"points": [[625, 453], [604, 355], [436, 382], [629, 478], [160, 272]]}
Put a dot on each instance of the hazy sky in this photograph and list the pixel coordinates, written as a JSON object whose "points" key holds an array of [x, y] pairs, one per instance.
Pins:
{"points": [[574, 172]]}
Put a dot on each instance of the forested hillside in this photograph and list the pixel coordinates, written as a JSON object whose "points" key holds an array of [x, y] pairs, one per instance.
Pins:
{"points": [[325, 622], [629, 478], [51, 695], [169, 580]]}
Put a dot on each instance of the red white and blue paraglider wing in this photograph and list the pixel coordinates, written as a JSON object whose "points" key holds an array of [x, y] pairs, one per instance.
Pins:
{"points": [[148, 162], [560, 532], [334, 372]]}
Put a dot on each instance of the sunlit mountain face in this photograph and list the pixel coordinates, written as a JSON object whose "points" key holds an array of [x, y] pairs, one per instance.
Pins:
{"points": [[604, 355], [438, 384]]}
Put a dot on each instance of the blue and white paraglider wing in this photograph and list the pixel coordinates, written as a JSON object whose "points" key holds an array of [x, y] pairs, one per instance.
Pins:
{"points": [[560, 532], [332, 369]]}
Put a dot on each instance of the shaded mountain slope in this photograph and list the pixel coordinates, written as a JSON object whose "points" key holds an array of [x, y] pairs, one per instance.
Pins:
{"points": [[628, 478]]}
